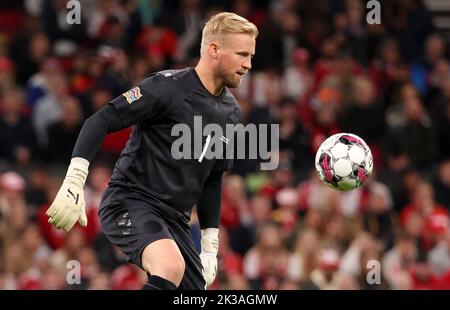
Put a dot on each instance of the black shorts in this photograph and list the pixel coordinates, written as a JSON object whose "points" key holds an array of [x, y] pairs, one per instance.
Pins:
{"points": [[132, 223]]}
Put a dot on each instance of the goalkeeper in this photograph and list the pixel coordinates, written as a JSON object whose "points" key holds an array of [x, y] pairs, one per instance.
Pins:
{"points": [[146, 208]]}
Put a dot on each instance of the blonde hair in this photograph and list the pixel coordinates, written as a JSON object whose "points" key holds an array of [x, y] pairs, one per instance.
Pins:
{"points": [[225, 23]]}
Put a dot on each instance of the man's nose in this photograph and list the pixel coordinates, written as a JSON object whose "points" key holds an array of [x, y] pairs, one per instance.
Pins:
{"points": [[247, 64]]}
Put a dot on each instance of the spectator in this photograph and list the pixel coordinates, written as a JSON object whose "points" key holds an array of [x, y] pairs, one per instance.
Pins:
{"points": [[435, 217], [293, 139], [297, 78], [364, 116], [442, 185], [243, 237], [12, 187], [378, 218], [63, 134], [37, 50], [415, 141], [440, 113], [303, 260], [397, 261], [286, 214], [7, 76], [38, 85], [186, 22], [421, 72], [53, 237], [48, 109], [230, 262], [422, 276], [439, 256], [17, 137], [265, 263], [385, 68], [326, 276], [37, 181], [21, 256]]}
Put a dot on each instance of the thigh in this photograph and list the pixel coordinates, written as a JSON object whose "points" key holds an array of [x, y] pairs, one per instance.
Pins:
{"points": [[163, 257]]}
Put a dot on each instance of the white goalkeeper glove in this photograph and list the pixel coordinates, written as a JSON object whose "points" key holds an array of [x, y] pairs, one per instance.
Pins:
{"points": [[68, 206], [208, 256]]}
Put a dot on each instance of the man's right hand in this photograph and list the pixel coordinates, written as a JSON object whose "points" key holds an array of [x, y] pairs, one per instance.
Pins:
{"points": [[68, 206]]}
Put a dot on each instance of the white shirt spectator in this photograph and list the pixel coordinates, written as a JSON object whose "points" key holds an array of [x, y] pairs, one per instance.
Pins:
{"points": [[439, 258], [46, 112]]}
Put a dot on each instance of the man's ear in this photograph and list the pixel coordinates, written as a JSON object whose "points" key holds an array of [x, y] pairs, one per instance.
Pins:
{"points": [[213, 49]]}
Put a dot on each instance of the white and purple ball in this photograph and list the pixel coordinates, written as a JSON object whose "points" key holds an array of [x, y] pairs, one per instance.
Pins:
{"points": [[344, 161]]}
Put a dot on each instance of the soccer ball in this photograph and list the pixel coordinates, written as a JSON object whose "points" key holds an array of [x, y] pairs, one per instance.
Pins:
{"points": [[344, 161]]}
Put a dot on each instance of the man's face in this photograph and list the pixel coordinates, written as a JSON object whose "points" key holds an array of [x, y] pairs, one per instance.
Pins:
{"points": [[235, 52]]}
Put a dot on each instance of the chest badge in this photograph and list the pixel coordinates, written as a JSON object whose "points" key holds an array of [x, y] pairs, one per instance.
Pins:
{"points": [[225, 140]]}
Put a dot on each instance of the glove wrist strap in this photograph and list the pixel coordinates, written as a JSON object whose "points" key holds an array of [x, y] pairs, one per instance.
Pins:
{"points": [[210, 240], [78, 170]]}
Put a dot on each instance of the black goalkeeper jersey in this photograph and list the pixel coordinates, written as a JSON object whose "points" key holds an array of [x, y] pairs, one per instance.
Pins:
{"points": [[146, 166]]}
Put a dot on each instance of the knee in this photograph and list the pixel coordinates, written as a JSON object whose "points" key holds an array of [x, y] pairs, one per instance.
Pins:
{"points": [[169, 267], [173, 269]]}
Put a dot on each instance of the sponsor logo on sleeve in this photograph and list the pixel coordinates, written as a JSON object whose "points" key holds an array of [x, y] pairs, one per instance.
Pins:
{"points": [[133, 94]]}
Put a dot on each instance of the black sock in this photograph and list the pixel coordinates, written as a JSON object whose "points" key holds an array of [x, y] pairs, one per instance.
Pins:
{"points": [[158, 283]]}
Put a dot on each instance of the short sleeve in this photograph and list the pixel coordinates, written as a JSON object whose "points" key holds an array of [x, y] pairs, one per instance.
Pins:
{"points": [[142, 102]]}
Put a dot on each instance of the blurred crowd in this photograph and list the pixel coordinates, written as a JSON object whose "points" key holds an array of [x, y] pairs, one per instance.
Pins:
{"points": [[319, 69]]}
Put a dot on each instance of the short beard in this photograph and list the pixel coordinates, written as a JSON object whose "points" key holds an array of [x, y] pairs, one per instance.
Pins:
{"points": [[227, 79], [232, 83]]}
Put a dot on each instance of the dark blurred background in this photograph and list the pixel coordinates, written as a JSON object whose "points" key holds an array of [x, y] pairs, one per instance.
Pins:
{"points": [[319, 69]]}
